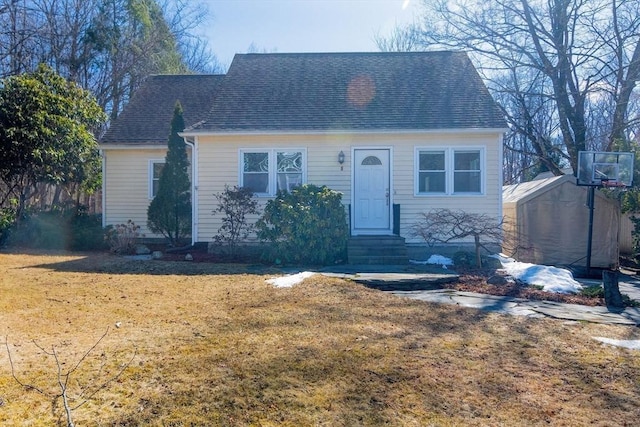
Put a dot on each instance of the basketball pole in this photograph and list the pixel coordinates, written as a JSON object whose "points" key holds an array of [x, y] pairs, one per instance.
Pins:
{"points": [[591, 204]]}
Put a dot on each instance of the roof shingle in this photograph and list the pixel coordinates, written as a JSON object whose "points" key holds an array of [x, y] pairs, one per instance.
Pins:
{"points": [[315, 92], [352, 91], [147, 117]]}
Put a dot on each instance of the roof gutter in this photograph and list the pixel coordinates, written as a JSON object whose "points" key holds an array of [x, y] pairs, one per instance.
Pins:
{"points": [[193, 133], [136, 146], [191, 142]]}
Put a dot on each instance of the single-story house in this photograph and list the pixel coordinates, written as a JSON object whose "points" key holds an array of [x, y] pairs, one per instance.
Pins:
{"points": [[547, 222], [397, 133]]}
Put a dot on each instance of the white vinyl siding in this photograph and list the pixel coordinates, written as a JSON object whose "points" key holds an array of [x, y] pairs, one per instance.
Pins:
{"points": [[127, 186], [219, 164], [449, 171]]}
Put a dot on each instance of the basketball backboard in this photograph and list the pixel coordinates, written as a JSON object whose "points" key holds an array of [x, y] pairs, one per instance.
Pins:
{"points": [[608, 169]]}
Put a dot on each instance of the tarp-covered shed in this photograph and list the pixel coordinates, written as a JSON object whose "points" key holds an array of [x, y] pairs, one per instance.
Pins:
{"points": [[547, 222]]}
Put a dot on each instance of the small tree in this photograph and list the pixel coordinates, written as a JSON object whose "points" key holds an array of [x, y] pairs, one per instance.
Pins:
{"points": [[65, 379], [170, 211], [446, 225], [236, 204], [308, 225]]}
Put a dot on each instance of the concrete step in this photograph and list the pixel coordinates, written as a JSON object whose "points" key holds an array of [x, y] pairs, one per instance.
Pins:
{"points": [[377, 250], [379, 260]]}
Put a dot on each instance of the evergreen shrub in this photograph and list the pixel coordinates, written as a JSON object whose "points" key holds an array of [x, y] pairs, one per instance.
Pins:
{"points": [[307, 225]]}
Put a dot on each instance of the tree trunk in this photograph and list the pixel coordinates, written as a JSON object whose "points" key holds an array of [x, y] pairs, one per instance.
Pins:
{"points": [[478, 256], [612, 295]]}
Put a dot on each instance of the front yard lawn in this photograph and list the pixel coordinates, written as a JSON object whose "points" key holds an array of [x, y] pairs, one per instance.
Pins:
{"points": [[217, 345]]}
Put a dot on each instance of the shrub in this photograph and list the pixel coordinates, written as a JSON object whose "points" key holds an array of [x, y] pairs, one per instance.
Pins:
{"points": [[236, 204], [122, 238], [593, 291], [7, 221], [307, 225], [446, 225], [464, 259], [87, 233], [41, 230], [635, 234], [59, 228]]}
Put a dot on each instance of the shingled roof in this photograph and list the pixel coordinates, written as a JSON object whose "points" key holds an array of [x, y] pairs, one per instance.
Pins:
{"points": [[351, 91], [147, 117], [315, 92]]}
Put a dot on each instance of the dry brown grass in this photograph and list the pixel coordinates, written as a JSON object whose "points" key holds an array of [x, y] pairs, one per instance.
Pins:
{"points": [[216, 345]]}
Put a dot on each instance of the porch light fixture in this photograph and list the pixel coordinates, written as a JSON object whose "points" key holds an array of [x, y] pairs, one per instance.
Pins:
{"points": [[341, 157]]}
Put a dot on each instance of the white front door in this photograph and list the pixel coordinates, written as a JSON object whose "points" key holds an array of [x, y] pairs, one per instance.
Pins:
{"points": [[371, 191]]}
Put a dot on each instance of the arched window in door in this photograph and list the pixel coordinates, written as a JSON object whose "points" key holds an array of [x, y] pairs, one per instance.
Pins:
{"points": [[371, 161]]}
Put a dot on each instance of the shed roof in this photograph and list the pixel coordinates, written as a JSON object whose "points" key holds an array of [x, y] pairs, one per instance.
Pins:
{"points": [[525, 191]]}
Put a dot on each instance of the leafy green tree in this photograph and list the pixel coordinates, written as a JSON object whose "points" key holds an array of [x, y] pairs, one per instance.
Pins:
{"points": [[170, 211], [46, 136]]}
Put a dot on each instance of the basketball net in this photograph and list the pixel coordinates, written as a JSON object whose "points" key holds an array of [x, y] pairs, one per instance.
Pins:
{"points": [[612, 184]]}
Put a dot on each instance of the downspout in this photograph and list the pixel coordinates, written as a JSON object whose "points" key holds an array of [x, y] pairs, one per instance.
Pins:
{"points": [[194, 189], [103, 198], [500, 175]]}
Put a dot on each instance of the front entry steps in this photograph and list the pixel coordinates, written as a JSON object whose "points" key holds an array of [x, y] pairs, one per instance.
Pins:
{"points": [[378, 250]]}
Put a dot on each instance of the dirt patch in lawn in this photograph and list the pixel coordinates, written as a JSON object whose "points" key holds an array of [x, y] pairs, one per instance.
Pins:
{"points": [[214, 344]]}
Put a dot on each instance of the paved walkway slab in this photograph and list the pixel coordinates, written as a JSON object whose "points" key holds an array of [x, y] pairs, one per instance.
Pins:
{"points": [[523, 307]]}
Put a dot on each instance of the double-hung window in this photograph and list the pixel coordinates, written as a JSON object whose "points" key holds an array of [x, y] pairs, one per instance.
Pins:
{"points": [[467, 174], [449, 171], [267, 171], [155, 170]]}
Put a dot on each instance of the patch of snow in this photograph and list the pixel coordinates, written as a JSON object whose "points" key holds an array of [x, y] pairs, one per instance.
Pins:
{"points": [[435, 259], [552, 279], [290, 280], [630, 344]]}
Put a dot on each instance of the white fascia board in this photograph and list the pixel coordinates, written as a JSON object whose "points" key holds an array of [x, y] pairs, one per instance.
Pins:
{"points": [[132, 146], [349, 132]]}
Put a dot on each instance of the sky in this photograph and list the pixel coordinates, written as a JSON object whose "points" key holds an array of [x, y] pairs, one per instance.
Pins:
{"points": [[284, 26]]}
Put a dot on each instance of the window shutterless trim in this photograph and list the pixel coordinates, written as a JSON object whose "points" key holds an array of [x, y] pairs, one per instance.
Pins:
{"points": [[273, 167], [449, 153], [151, 179]]}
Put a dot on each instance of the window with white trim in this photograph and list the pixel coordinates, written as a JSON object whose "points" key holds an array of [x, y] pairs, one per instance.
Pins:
{"points": [[449, 171], [267, 171], [155, 170]]}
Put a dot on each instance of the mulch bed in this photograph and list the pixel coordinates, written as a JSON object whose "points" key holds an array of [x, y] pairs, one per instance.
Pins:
{"points": [[477, 282]]}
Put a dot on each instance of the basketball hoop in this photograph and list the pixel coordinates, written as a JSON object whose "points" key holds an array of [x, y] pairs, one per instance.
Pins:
{"points": [[602, 169], [605, 169]]}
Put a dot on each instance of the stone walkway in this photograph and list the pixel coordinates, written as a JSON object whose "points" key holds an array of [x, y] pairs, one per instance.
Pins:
{"points": [[522, 307], [425, 283]]}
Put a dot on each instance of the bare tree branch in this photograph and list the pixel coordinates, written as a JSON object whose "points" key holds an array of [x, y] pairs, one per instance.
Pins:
{"points": [[63, 379]]}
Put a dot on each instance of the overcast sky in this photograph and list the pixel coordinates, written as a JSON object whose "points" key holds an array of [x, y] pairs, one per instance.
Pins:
{"points": [[236, 26]]}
